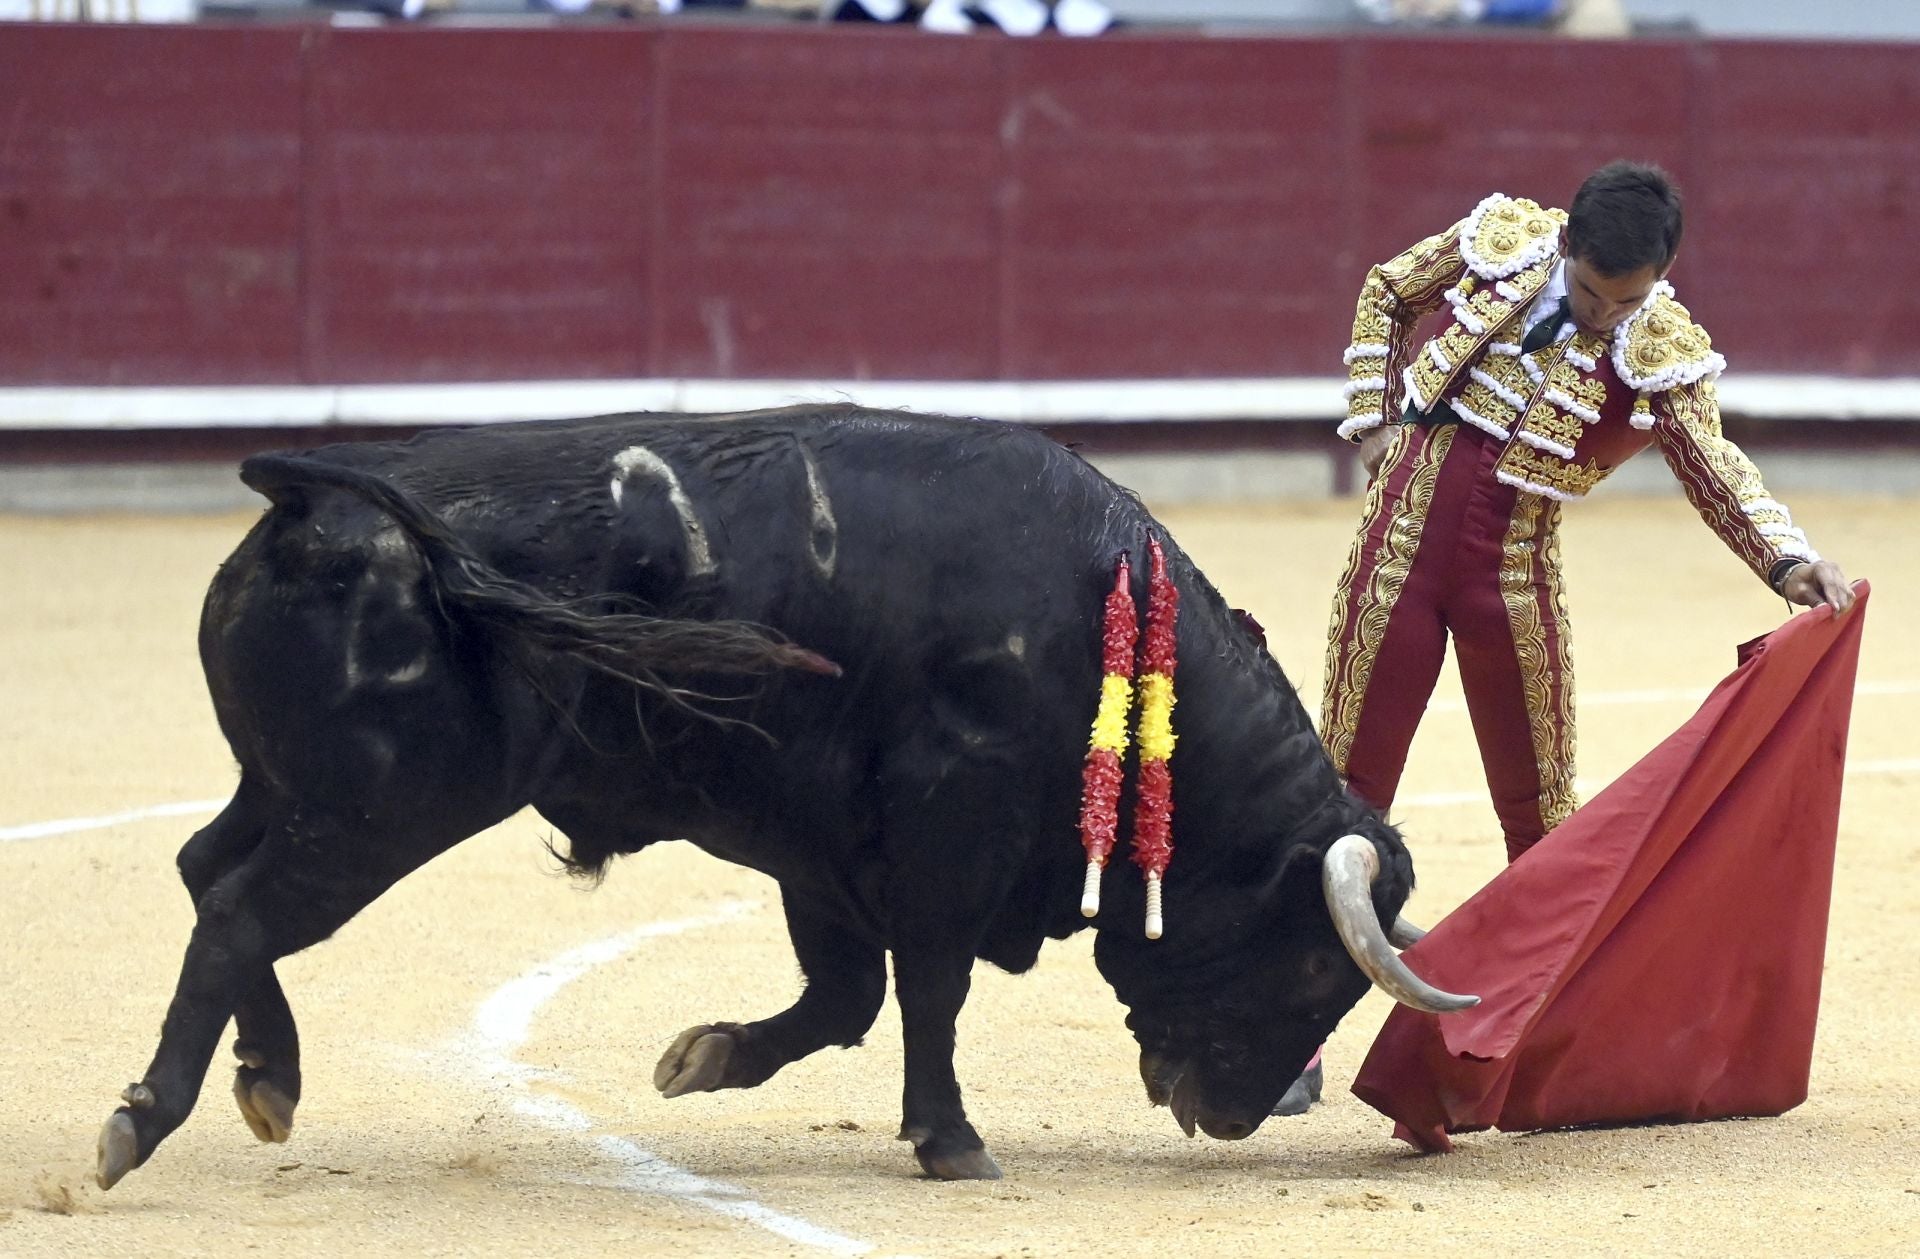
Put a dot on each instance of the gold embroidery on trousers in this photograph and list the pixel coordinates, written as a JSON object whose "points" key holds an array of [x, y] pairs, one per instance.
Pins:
{"points": [[1543, 671], [1353, 646]]}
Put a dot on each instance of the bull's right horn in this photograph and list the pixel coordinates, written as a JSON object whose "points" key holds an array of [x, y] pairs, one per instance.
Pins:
{"points": [[1347, 877], [1404, 935]]}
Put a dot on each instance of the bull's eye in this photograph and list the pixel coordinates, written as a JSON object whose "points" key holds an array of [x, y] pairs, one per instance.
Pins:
{"points": [[1319, 965]]}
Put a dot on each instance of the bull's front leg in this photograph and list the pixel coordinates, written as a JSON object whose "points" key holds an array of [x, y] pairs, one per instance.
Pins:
{"points": [[931, 983], [846, 983]]}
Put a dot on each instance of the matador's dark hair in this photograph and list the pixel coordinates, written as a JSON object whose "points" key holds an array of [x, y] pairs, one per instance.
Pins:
{"points": [[1626, 216]]}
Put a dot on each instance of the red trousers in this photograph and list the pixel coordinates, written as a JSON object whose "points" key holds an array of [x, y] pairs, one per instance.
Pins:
{"points": [[1446, 549]]}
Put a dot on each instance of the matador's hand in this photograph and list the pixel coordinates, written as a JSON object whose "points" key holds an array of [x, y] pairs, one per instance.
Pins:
{"points": [[1811, 585], [1373, 447]]}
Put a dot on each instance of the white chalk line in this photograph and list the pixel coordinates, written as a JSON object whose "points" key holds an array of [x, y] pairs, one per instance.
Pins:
{"points": [[66, 826], [500, 1027]]}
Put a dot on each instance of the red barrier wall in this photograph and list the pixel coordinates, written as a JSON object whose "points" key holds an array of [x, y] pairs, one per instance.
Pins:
{"points": [[236, 205]]}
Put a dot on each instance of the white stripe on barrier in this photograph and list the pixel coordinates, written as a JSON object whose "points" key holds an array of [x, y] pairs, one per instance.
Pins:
{"points": [[1270, 397]]}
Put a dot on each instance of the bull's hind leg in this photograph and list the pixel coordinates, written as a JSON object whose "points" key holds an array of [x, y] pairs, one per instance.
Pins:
{"points": [[846, 982], [266, 1085], [299, 886]]}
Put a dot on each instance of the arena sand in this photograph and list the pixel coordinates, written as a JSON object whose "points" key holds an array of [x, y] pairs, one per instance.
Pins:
{"points": [[407, 1145]]}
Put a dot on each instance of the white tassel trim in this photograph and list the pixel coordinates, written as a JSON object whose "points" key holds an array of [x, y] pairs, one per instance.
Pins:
{"points": [[1545, 443], [1542, 247], [1667, 377], [1766, 504], [1479, 421], [1500, 391], [1533, 369], [1584, 362], [1509, 292], [1364, 385], [1359, 424], [1795, 550], [1363, 349], [1783, 531], [1543, 490], [1509, 348], [1640, 421], [1414, 395], [1571, 407], [1471, 228], [1438, 356], [1462, 312]]}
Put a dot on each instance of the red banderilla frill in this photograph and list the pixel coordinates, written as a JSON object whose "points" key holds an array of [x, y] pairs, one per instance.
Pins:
{"points": [[1100, 780], [1106, 751]]}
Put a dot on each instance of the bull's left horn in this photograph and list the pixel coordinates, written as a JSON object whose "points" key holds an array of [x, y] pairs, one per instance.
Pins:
{"points": [[1404, 935], [1347, 879]]}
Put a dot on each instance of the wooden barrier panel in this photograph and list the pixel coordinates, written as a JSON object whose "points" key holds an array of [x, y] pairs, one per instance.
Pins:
{"points": [[151, 198], [669, 200], [480, 204]]}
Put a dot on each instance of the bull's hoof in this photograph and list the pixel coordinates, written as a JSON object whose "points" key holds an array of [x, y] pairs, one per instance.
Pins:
{"points": [[267, 1110], [955, 1157], [696, 1062], [118, 1151], [958, 1164]]}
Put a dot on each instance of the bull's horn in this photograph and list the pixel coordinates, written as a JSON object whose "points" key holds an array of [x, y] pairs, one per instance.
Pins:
{"points": [[1347, 878], [1404, 935]]}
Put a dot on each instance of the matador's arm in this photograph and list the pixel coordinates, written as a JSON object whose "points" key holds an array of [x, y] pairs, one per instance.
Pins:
{"points": [[1395, 296], [1723, 485]]}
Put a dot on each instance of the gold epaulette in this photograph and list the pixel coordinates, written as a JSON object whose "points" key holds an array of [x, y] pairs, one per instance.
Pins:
{"points": [[1660, 347], [1505, 235]]}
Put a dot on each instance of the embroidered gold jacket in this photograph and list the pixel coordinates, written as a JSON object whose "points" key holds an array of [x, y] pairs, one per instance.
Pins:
{"points": [[1571, 412]]}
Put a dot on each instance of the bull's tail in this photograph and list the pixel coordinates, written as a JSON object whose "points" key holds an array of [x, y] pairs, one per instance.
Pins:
{"points": [[643, 651]]}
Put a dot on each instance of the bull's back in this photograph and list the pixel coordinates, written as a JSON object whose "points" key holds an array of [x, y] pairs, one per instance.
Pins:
{"points": [[949, 567], [853, 515]]}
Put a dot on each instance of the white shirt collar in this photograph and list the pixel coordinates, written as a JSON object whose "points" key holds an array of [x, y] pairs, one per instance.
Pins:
{"points": [[1549, 296]]}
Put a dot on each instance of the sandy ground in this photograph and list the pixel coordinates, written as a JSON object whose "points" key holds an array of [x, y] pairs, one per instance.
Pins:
{"points": [[413, 1138]]}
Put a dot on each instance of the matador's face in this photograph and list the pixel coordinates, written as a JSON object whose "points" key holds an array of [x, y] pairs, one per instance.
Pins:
{"points": [[1601, 302]]}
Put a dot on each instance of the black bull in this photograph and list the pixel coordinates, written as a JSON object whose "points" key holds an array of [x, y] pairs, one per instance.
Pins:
{"points": [[856, 651]]}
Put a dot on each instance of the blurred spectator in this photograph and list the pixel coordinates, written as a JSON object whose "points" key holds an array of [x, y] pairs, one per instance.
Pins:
{"points": [[864, 10], [1081, 17], [958, 17], [1596, 19], [1513, 12], [1016, 17], [1422, 10], [1520, 12]]}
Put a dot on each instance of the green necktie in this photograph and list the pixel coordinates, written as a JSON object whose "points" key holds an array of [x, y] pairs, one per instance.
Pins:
{"points": [[1542, 333]]}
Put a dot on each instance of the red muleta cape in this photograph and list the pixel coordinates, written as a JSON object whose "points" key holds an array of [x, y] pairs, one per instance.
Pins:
{"points": [[1658, 955]]}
